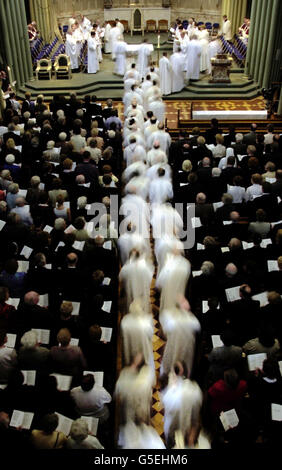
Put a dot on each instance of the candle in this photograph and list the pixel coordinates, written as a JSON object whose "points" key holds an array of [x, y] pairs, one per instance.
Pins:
{"points": [[10, 75], [159, 37]]}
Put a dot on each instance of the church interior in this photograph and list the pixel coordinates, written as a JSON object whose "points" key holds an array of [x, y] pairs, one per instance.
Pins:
{"points": [[141, 226]]}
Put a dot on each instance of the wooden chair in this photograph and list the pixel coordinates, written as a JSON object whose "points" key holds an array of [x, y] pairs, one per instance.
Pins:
{"points": [[151, 25], [163, 25], [125, 25], [62, 66], [44, 69]]}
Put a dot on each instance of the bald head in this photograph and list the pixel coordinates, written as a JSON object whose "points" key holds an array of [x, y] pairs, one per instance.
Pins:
{"points": [[31, 298], [72, 259], [231, 270]]}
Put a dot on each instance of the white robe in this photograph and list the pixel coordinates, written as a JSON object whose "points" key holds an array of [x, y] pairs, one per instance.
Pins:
{"points": [[165, 76], [93, 63], [138, 166], [137, 334], [143, 59], [133, 152], [166, 245], [193, 59], [165, 220], [71, 50], [160, 191], [136, 276], [177, 65], [113, 37], [143, 436], [120, 57], [172, 280], [180, 328], [157, 107], [227, 30], [107, 43], [136, 211], [86, 27], [213, 49], [163, 138], [141, 184], [152, 172], [120, 26], [182, 399], [155, 156], [204, 41], [129, 241]]}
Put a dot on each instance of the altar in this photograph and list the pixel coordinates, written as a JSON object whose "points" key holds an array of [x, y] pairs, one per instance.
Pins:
{"points": [[140, 14]]}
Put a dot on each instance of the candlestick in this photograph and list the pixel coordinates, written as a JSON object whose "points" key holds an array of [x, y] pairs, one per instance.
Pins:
{"points": [[10, 75], [159, 37]]}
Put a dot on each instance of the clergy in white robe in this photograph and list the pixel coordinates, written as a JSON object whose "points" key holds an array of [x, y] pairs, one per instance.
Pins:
{"points": [[113, 37], [71, 50], [152, 172], [177, 67], [119, 51], [136, 211], [180, 328], [160, 189], [141, 183], [226, 29], [136, 166], [107, 42], [139, 436], [165, 75], [136, 276], [156, 155], [85, 26], [165, 220], [172, 279], [120, 26], [182, 400], [213, 49], [157, 106], [133, 70], [143, 58], [193, 59], [133, 391], [165, 245], [93, 62], [130, 240], [162, 137], [137, 329], [128, 97], [204, 41]]}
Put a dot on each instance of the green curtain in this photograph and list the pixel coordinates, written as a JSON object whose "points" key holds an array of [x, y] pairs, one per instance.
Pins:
{"points": [[42, 11]]}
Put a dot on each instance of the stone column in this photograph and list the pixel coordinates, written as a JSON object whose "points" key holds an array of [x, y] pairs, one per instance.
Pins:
{"points": [[279, 111], [270, 43], [13, 35], [235, 11]]}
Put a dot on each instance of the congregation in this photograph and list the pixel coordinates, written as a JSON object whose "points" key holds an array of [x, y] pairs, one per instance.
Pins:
{"points": [[219, 298]]}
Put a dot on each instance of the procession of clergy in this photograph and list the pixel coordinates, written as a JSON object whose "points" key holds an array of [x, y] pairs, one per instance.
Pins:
{"points": [[193, 49]]}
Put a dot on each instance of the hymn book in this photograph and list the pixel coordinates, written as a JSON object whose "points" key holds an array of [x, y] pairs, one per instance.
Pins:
{"points": [[64, 424], [255, 361], [2, 224], [272, 265], [43, 336], [262, 298], [92, 424], [26, 252], [12, 338], [276, 412], [233, 294], [106, 334], [63, 382], [21, 419], [107, 305], [108, 245], [216, 341], [29, 377], [106, 281], [13, 302], [229, 419], [23, 266]]}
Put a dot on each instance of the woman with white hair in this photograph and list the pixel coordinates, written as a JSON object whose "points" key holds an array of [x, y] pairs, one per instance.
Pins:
{"points": [[80, 438], [12, 195], [31, 355]]}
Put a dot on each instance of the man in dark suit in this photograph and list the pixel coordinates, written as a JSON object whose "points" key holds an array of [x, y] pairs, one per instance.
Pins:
{"points": [[211, 133], [88, 169], [250, 137], [11, 135], [230, 171], [70, 279], [276, 188], [204, 171], [203, 210], [239, 148], [243, 315], [106, 111], [31, 315]]}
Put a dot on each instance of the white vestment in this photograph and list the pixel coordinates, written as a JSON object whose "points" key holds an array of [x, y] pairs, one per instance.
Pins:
{"points": [[165, 220], [182, 401], [152, 172], [141, 184], [193, 59], [163, 138], [93, 62], [128, 97], [113, 37], [120, 26], [143, 436], [180, 328], [143, 59], [107, 42], [160, 191], [156, 155], [227, 30], [132, 152], [86, 27], [213, 49], [129, 241], [134, 167], [137, 332], [165, 76], [166, 245], [136, 211], [157, 106], [119, 51], [136, 276], [177, 66], [172, 280], [71, 50], [204, 41]]}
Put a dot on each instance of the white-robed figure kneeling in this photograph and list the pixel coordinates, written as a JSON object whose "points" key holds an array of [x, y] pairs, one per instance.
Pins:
{"points": [[136, 276], [165, 75], [180, 327], [182, 400], [137, 330], [119, 51], [93, 61]]}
